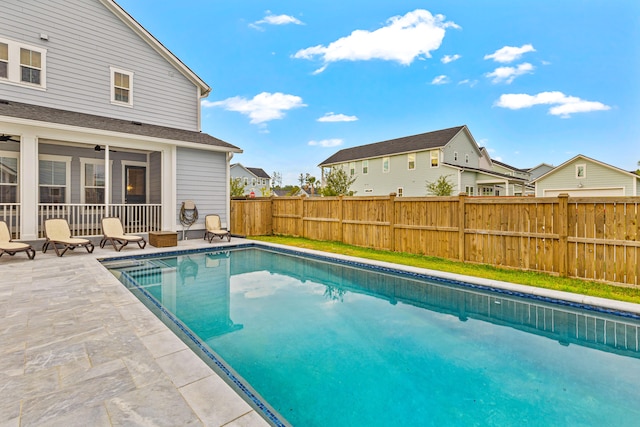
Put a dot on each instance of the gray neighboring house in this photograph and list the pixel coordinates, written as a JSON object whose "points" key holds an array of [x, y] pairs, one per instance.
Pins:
{"points": [[539, 170], [582, 176], [98, 118], [404, 165], [255, 180]]}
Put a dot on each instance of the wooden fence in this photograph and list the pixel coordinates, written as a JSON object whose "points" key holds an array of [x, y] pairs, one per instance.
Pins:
{"points": [[595, 238]]}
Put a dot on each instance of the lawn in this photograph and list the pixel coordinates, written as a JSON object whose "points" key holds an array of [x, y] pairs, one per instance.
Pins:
{"points": [[530, 278]]}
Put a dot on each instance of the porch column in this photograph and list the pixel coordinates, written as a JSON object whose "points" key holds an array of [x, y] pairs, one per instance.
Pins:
{"points": [[506, 186], [29, 186], [107, 179], [169, 188]]}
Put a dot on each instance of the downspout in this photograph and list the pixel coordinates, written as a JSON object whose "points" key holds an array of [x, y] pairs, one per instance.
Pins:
{"points": [[228, 187]]}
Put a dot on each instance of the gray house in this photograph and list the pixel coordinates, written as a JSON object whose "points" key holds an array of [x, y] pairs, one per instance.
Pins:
{"points": [[255, 180], [98, 118], [405, 165], [583, 176]]}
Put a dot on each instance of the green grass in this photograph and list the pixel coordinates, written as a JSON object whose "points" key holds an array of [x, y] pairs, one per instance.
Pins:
{"points": [[529, 278]]}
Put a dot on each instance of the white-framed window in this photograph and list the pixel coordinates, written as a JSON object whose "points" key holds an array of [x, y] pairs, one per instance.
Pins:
{"points": [[455, 156], [470, 190], [92, 181], [466, 158], [368, 190], [400, 192], [246, 181], [352, 168], [385, 164], [54, 177], [121, 87], [8, 177], [4, 60], [22, 64], [435, 158], [411, 161], [365, 167], [253, 182], [487, 191], [581, 171]]}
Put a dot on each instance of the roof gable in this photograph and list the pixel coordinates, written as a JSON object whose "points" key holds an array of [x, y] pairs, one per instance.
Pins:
{"points": [[407, 144], [587, 159]]}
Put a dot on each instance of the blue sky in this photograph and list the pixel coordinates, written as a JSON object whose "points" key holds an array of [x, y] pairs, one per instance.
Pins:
{"points": [[293, 82]]}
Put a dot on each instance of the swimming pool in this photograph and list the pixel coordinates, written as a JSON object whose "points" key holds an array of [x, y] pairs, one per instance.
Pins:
{"points": [[329, 342]]}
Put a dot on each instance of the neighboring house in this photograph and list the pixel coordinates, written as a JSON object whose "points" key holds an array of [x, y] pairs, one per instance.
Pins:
{"points": [[287, 193], [98, 118], [405, 165], [537, 171], [583, 176], [255, 180]]}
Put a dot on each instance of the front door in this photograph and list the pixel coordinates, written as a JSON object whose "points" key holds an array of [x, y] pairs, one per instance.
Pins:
{"points": [[135, 185]]}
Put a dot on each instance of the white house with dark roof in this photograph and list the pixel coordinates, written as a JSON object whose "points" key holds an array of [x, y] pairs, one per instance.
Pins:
{"points": [[582, 176], [405, 165], [98, 118], [255, 180]]}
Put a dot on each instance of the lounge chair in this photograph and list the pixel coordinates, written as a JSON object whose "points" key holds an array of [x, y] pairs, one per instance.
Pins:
{"points": [[9, 247], [214, 228], [58, 233], [113, 232]]}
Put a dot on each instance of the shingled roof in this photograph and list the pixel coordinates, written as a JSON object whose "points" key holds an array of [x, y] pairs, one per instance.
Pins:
{"points": [[259, 173], [82, 120], [423, 141]]}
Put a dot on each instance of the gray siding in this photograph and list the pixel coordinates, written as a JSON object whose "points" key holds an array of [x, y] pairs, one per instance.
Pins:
{"points": [[201, 177], [85, 39], [155, 177], [462, 145]]}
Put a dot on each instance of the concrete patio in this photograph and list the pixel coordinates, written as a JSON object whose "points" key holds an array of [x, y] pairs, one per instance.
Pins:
{"points": [[77, 348]]}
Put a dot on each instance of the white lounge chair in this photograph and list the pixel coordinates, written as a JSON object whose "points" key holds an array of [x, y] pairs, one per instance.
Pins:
{"points": [[113, 232], [214, 228], [58, 233], [7, 246]]}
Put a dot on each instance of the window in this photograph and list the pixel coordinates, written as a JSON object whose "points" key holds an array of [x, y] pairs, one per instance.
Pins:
{"points": [[365, 167], [435, 158], [411, 161], [581, 171], [54, 178], [253, 182], [92, 181], [8, 177], [400, 192], [466, 158], [121, 87], [385, 164], [22, 64], [4, 60], [470, 190], [487, 191], [246, 181], [455, 156], [30, 66], [352, 168]]}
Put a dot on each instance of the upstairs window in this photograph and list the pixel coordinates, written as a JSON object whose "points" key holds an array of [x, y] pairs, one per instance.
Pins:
{"points": [[466, 158], [4, 60], [411, 161], [435, 158], [30, 66], [455, 156], [121, 87], [581, 171], [365, 167], [352, 168], [385, 164]]}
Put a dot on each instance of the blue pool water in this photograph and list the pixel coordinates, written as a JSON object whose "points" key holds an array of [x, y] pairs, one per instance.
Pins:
{"points": [[334, 344]]}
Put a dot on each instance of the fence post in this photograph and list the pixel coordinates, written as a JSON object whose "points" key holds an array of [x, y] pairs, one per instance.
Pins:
{"points": [[391, 216], [270, 228], [340, 217], [301, 210], [563, 230], [461, 223]]}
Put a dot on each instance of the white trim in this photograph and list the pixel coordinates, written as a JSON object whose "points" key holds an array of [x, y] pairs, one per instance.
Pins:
{"points": [[112, 72], [409, 156], [13, 64], [388, 164], [432, 157], [13, 155], [55, 158], [583, 167], [365, 172], [573, 191], [124, 164], [91, 161], [400, 192]]}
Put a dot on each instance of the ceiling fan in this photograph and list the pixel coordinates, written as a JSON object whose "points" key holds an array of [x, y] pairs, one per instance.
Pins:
{"points": [[99, 148], [5, 138]]}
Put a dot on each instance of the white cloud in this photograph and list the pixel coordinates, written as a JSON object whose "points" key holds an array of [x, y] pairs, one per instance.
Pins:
{"points": [[450, 58], [563, 105], [272, 19], [334, 142], [262, 108], [440, 80], [332, 117], [510, 53], [402, 40], [508, 74]]}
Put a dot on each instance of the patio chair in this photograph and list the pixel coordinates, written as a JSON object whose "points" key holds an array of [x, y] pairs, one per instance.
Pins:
{"points": [[113, 232], [7, 246], [57, 233], [214, 228]]}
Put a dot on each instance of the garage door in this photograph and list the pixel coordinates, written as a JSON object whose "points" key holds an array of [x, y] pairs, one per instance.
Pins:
{"points": [[587, 192]]}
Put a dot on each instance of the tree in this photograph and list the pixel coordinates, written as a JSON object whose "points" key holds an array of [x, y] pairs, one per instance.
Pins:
{"points": [[237, 187], [337, 183], [311, 182], [441, 187], [276, 180], [301, 179]]}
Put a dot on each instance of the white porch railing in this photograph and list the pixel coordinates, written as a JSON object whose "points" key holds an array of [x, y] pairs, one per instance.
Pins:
{"points": [[10, 213], [85, 220]]}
